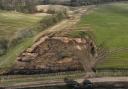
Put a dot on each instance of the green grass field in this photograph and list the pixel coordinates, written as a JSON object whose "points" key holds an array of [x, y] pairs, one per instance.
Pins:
{"points": [[109, 23], [10, 23]]}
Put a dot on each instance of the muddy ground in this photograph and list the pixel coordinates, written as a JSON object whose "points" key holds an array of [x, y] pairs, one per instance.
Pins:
{"points": [[54, 54]]}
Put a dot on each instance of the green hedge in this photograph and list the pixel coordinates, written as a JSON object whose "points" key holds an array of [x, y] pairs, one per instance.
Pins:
{"points": [[3, 46], [51, 20]]}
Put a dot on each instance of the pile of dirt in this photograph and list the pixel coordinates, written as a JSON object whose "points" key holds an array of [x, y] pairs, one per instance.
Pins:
{"points": [[54, 54]]}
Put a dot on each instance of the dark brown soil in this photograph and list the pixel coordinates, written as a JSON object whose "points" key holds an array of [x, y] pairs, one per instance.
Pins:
{"points": [[55, 54]]}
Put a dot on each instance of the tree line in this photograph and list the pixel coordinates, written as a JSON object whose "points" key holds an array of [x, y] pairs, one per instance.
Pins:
{"points": [[29, 5], [91, 2], [78, 2], [19, 5]]}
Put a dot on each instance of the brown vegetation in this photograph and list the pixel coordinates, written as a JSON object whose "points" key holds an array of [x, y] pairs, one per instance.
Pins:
{"points": [[53, 55]]}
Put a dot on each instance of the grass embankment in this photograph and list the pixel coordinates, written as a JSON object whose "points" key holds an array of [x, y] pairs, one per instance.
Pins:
{"points": [[18, 31], [109, 23], [11, 24]]}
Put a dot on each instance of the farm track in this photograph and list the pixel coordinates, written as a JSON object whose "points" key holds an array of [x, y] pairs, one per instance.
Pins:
{"points": [[65, 24], [68, 23], [28, 80]]}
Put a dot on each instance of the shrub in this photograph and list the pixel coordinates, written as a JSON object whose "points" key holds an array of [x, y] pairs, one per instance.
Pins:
{"points": [[19, 36], [26, 9], [3, 46], [25, 6], [51, 20], [51, 11]]}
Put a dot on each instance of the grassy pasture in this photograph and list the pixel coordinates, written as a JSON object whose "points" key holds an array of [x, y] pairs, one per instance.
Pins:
{"points": [[10, 23], [110, 26]]}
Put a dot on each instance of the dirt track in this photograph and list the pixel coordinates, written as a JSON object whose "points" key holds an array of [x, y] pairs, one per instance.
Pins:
{"points": [[62, 26], [67, 23], [117, 82]]}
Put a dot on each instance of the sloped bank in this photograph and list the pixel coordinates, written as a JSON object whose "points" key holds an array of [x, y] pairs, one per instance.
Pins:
{"points": [[55, 54]]}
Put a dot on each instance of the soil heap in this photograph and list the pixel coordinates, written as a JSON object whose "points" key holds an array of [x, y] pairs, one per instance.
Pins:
{"points": [[54, 54]]}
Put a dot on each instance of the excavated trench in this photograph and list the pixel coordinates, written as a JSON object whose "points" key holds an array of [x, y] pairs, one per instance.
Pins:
{"points": [[56, 54]]}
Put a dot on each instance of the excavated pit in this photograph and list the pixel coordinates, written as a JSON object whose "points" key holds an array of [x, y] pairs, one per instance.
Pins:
{"points": [[54, 54]]}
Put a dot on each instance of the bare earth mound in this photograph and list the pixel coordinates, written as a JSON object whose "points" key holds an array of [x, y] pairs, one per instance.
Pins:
{"points": [[55, 54]]}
